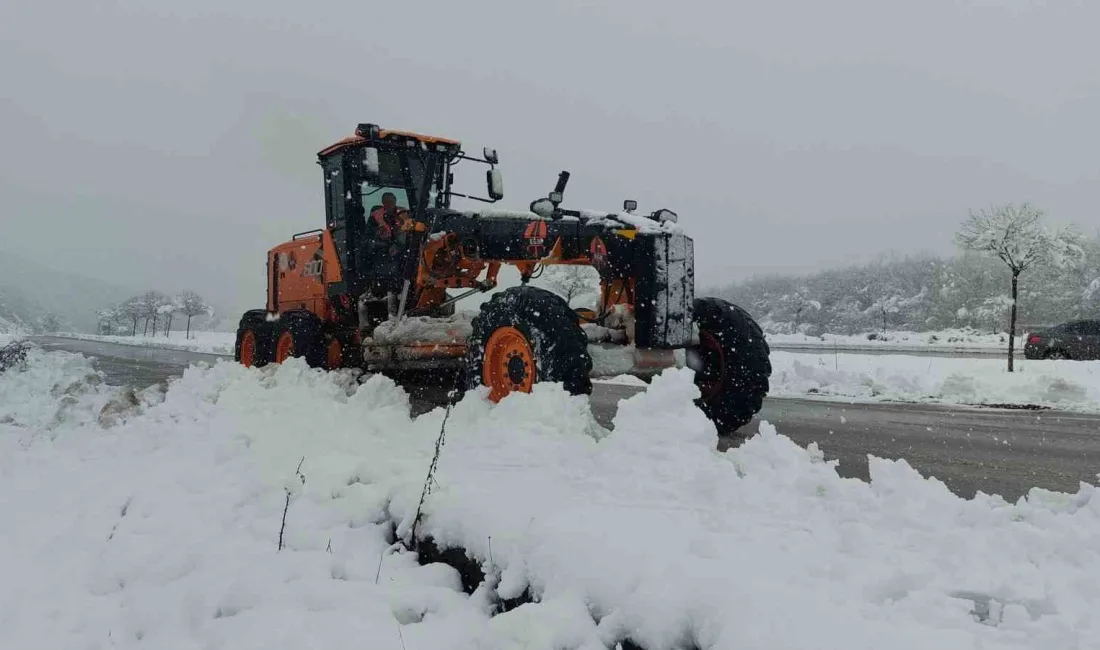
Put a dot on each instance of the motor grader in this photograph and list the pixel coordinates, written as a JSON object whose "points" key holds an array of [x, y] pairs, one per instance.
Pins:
{"points": [[376, 288]]}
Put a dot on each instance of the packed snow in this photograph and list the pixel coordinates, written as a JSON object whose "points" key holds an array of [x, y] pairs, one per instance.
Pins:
{"points": [[451, 329], [205, 342], [162, 529], [1066, 385], [965, 340]]}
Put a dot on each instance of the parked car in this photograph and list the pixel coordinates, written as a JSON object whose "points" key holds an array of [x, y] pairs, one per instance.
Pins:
{"points": [[1078, 340]]}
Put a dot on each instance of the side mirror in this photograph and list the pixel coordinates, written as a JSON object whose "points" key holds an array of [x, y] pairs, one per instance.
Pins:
{"points": [[490, 155], [544, 208], [371, 169], [496, 184], [630, 205]]}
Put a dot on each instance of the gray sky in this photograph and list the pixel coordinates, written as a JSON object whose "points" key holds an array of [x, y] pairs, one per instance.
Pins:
{"points": [[171, 144]]}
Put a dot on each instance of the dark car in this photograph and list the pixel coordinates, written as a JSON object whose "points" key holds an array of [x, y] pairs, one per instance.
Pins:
{"points": [[1077, 340]]}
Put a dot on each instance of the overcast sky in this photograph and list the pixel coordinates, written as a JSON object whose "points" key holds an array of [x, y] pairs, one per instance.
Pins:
{"points": [[171, 144]]}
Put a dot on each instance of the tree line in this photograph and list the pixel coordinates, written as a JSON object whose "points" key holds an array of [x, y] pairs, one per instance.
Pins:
{"points": [[1003, 249], [151, 310]]}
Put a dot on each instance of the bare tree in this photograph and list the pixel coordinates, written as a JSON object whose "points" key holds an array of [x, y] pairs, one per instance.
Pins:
{"points": [[191, 304], [1016, 235], [570, 281]]}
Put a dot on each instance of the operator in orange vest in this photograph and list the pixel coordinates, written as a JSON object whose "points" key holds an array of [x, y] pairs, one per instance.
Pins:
{"points": [[390, 222]]}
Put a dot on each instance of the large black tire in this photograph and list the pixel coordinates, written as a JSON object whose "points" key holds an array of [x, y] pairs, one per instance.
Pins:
{"points": [[731, 364], [559, 345], [254, 339], [305, 332]]}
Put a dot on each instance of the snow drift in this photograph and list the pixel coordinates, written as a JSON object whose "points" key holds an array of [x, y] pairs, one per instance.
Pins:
{"points": [[161, 530], [1066, 385]]}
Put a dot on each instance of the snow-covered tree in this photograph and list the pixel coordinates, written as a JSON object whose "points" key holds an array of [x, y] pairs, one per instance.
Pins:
{"points": [[153, 304], [191, 304], [132, 311], [166, 311], [49, 323], [569, 281], [893, 302], [106, 317], [1018, 236]]}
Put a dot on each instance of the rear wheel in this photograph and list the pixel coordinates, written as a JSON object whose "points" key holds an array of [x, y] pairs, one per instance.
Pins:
{"points": [[731, 364], [525, 335], [1058, 355], [253, 345], [299, 335]]}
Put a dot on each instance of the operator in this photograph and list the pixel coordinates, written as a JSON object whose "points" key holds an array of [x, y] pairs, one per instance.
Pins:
{"points": [[390, 222]]}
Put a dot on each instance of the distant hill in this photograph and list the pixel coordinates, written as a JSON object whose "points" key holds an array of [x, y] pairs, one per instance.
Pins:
{"points": [[30, 290]]}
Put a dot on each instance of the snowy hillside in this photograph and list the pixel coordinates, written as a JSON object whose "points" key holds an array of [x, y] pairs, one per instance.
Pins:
{"points": [[30, 290], [645, 533]]}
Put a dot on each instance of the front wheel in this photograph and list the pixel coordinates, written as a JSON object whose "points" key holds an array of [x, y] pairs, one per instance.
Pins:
{"points": [[731, 364], [525, 335]]}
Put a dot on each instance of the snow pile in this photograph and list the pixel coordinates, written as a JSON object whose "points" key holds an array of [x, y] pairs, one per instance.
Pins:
{"points": [[205, 342], [1065, 385], [952, 340], [644, 533], [52, 390]]}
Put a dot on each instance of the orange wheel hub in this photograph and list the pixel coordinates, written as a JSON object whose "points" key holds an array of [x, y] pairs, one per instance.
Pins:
{"points": [[284, 348], [248, 349], [334, 355], [509, 364]]}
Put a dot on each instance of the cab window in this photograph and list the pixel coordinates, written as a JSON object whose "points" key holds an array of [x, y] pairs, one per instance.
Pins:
{"points": [[391, 178]]}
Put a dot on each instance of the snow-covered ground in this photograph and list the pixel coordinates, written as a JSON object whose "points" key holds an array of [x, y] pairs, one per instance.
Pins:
{"points": [[1069, 385], [157, 526], [208, 342], [955, 340]]}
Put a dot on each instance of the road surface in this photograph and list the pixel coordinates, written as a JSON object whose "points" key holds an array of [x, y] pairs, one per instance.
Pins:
{"points": [[995, 451]]}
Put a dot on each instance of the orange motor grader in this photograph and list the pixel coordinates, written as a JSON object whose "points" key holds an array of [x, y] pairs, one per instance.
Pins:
{"points": [[376, 287]]}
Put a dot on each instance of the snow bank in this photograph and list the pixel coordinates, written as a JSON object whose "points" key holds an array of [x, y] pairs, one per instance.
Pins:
{"points": [[206, 342], [54, 390], [644, 533], [953, 340], [1068, 385]]}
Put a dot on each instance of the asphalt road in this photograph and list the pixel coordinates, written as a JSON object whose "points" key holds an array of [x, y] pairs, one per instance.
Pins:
{"points": [[997, 451]]}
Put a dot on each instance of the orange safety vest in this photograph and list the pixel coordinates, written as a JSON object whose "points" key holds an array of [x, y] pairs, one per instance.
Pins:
{"points": [[387, 226]]}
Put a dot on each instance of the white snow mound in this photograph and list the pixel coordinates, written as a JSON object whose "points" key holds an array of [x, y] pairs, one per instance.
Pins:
{"points": [[162, 531]]}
